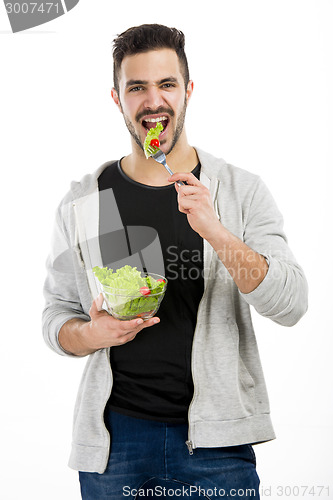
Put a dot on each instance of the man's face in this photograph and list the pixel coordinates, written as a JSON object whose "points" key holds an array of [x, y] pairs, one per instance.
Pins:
{"points": [[151, 89]]}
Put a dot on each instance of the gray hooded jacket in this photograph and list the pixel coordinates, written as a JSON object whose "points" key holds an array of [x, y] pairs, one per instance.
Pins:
{"points": [[230, 403]]}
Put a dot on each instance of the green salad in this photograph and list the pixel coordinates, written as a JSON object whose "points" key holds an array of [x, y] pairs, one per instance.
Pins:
{"points": [[152, 138], [128, 294]]}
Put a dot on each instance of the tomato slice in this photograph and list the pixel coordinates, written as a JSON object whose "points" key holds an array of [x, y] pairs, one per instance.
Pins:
{"points": [[155, 143], [144, 290]]}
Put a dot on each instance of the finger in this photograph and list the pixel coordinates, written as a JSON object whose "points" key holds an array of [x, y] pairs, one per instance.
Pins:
{"points": [[136, 325], [192, 197], [187, 204], [131, 325], [150, 322], [188, 190], [185, 177]]}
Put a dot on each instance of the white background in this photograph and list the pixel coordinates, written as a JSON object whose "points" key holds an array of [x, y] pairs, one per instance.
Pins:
{"points": [[263, 101]]}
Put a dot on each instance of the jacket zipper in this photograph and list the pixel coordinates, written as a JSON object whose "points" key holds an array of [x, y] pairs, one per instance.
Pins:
{"points": [[189, 443]]}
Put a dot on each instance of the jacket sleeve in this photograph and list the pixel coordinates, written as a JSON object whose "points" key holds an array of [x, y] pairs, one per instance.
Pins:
{"points": [[282, 296], [62, 301]]}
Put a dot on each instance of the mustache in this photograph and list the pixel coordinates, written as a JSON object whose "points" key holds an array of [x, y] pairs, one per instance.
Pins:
{"points": [[158, 111]]}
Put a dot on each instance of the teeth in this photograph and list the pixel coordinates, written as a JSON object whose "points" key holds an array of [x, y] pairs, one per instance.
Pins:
{"points": [[154, 120]]}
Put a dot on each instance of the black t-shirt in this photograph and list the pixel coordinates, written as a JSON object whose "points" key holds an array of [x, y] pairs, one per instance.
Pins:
{"points": [[152, 374]]}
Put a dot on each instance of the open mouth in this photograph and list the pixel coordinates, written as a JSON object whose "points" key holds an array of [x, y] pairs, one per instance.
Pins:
{"points": [[150, 122]]}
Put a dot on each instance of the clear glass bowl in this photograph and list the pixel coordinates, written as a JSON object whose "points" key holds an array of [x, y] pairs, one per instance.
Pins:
{"points": [[122, 305]]}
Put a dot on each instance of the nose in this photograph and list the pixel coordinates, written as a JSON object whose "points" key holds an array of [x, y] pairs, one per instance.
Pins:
{"points": [[153, 98]]}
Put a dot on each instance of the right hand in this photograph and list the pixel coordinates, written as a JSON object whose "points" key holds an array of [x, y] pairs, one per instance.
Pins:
{"points": [[105, 331]]}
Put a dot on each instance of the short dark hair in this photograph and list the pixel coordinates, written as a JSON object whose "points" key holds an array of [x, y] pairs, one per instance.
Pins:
{"points": [[145, 38]]}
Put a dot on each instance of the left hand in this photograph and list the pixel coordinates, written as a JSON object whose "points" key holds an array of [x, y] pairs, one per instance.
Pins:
{"points": [[195, 201]]}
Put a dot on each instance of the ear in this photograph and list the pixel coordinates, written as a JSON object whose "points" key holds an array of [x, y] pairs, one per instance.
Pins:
{"points": [[115, 97], [189, 90]]}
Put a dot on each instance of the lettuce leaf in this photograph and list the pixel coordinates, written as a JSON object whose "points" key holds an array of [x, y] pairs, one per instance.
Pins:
{"points": [[121, 289], [152, 133]]}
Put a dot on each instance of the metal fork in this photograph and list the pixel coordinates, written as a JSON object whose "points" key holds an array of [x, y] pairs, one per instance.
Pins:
{"points": [[159, 156]]}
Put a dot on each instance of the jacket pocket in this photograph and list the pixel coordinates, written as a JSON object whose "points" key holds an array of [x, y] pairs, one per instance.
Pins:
{"points": [[223, 387], [246, 383]]}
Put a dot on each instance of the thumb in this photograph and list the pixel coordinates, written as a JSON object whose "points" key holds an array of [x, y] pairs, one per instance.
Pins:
{"points": [[96, 305]]}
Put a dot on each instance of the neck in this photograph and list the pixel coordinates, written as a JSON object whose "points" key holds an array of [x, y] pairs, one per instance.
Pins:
{"points": [[183, 158]]}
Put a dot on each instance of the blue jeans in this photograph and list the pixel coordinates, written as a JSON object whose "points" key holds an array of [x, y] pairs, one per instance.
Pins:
{"points": [[150, 459]]}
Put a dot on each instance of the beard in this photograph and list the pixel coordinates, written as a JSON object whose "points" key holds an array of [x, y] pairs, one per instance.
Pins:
{"points": [[179, 126]]}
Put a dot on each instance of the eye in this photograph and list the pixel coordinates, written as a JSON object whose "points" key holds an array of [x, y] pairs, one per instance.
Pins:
{"points": [[168, 85], [135, 89]]}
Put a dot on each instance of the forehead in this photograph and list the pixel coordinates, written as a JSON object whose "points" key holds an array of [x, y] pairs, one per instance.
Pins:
{"points": [[151, 66]]}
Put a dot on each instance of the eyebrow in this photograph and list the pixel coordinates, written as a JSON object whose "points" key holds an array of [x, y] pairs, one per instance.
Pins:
{"points": [[169, 79]]}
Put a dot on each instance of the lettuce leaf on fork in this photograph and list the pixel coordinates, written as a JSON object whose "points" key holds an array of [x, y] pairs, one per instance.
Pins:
{"points": [[152, 133]]}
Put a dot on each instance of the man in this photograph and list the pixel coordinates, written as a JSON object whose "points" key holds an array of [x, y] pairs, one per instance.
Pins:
{"points": [[195, 377]]}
